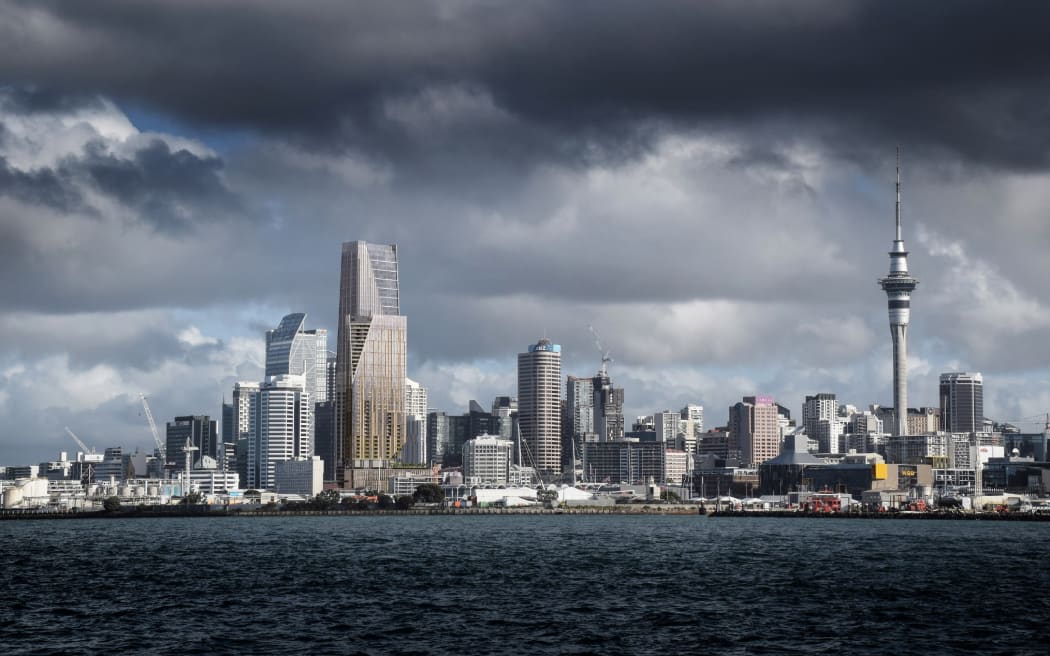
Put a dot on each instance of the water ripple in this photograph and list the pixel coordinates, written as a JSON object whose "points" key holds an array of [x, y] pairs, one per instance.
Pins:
{"points": [[522, 584]]}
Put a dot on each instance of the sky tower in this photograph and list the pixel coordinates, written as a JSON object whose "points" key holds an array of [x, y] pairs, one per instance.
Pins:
{"points": [[898, 286]]}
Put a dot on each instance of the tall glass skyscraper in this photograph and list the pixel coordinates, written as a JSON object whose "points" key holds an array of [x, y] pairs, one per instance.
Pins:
{"points": [[370, 358], [291, 350]]}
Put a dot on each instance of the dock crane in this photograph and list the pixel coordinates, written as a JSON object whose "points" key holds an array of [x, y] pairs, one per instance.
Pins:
{"points": [[161, 450], [601, 349]]}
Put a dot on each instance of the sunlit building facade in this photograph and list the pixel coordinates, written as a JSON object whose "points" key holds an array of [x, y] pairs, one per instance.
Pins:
{"points": [[370, 358], [539, 406]]}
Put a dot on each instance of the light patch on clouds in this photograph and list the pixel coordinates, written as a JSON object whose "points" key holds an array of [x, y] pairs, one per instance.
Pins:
{"points": [[191, 335], [433, 110], [985, 306], [451, 386]]}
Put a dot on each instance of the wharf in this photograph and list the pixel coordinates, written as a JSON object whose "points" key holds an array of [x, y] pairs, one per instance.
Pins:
{"points": [[988, 516], [233, 511]]}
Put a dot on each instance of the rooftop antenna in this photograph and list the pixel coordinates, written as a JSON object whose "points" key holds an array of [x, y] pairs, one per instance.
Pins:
{"points": [[898, 192]]}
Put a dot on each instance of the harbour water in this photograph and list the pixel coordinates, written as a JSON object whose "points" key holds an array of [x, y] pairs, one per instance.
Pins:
{"points": [[523, 585]]}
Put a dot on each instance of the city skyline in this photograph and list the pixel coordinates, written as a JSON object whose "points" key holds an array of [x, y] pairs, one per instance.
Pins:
{"points": [[722, 236]]}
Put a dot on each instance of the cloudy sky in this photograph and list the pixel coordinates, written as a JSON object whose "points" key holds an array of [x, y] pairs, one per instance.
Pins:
{"points": [[709, 184]]}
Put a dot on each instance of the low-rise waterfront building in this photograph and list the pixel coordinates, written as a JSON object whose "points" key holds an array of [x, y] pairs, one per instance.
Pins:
{"points": [[487, 460], [302, 476]]}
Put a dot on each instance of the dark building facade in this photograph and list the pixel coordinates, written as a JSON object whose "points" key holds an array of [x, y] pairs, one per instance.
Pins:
{"points": [[962, 402], [199, 429], [437, 436], [324, 437]]}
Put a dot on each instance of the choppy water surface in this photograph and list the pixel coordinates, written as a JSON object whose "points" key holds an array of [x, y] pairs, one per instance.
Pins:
{"points": [[523, 585]]}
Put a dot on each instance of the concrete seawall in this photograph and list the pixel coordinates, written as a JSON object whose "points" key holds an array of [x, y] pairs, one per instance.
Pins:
{"points": [[131, 513]]}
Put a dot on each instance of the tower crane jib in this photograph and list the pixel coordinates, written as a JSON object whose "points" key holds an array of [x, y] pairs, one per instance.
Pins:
{"points": [[80, 443], [606, 359], [153, 428]]}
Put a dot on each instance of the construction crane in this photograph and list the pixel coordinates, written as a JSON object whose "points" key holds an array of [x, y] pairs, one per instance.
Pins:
{"points": [[161, 450], [80, 443], [601, 349], [87, 464]]}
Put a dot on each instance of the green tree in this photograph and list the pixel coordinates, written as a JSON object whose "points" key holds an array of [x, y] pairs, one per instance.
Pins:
{"points": [[111, 504], [428, 493], [193, 498], [386, 502], [669, 496], [543, 494], [327, 500], [404, 502]]}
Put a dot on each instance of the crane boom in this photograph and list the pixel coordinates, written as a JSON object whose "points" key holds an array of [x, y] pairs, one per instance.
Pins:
{"points": [[153, 428], [83, 447], [601, 349]]}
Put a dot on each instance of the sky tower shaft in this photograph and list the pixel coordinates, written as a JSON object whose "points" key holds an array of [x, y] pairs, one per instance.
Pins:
{"points": [[898, 286]]}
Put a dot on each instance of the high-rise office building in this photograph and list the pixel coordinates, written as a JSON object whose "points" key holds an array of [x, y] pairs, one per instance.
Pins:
{"points": [[695, 414], [608, 408], [324, 423], [229, 423], [691, 426], [666, 425], [816, 407], [753, 429], [291, 349], [898, 286], [962, 402], [415, 398], [505, 408], [539, 406], [415, 449], [279, 428], [324, 438], [820, 417], [201, 432], [240, 411], [370, 358], [437, 436], [579, 408]]}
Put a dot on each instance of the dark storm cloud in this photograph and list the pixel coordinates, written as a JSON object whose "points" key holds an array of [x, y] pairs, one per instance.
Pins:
{"points": [[29, 98], [159, 183], [39, 187], [580, 79]]}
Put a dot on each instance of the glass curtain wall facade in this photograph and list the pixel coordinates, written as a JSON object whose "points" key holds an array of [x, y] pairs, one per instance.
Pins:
{"points": [[291, 349], [962, 402]]}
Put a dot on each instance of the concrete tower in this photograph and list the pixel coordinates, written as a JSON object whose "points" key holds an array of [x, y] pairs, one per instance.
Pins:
{"points": [[898, 286]]}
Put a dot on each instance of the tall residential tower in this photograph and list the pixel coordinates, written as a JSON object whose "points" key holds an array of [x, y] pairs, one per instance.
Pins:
{"points": [[898, 286], [539, 406], [370, 358]]}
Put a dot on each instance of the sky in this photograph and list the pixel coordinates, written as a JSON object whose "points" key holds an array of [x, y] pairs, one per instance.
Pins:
{"points": [[710, 185]]}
